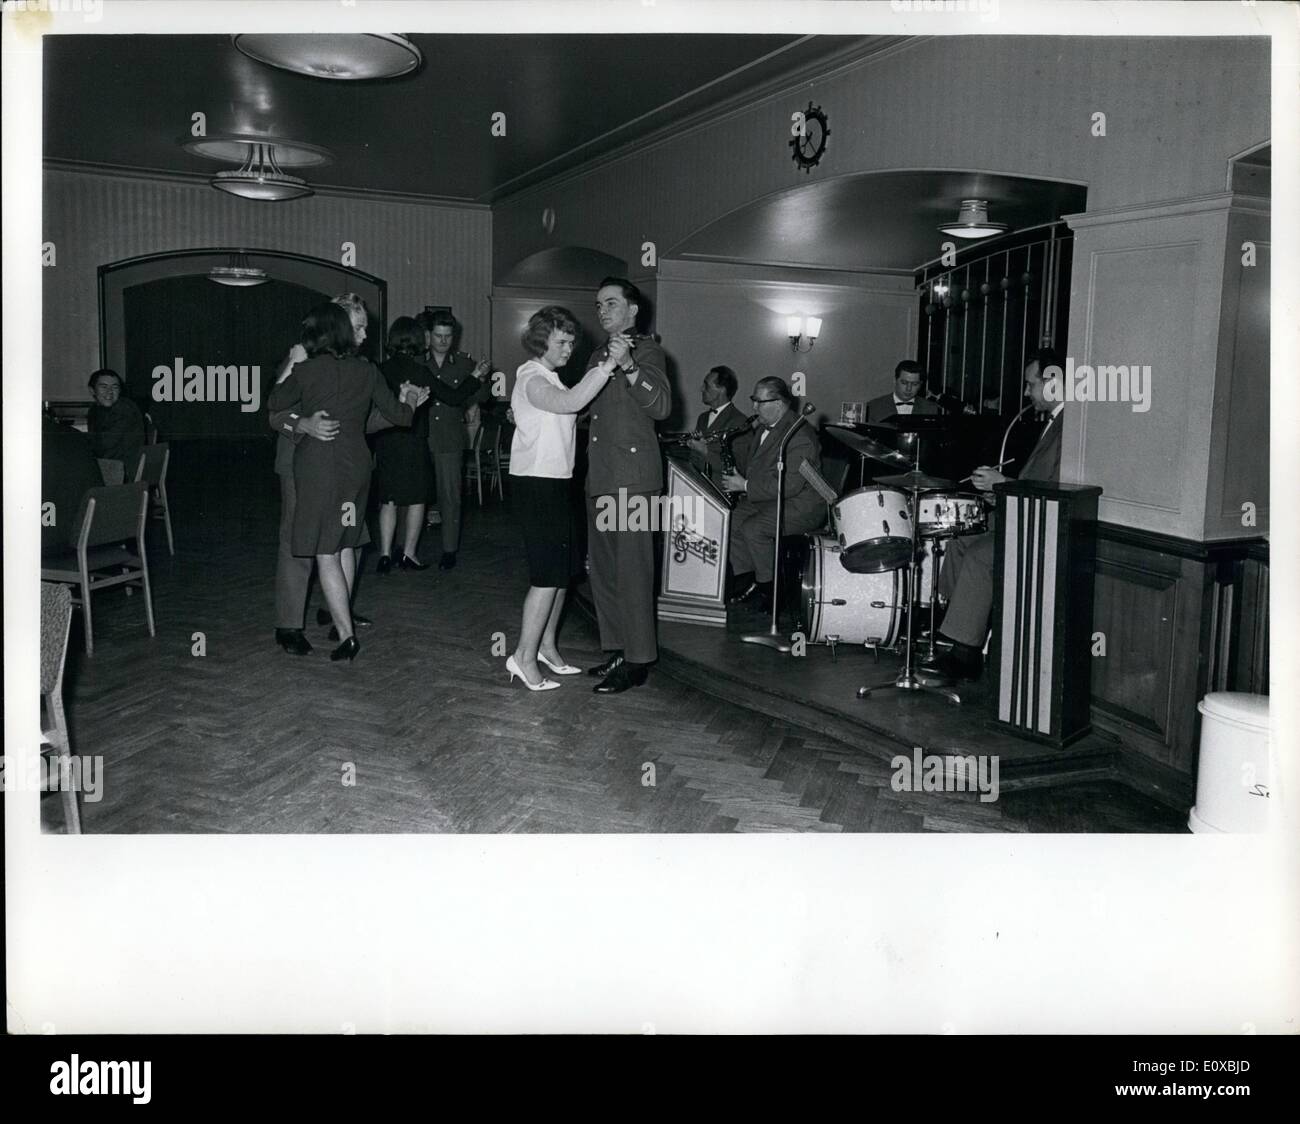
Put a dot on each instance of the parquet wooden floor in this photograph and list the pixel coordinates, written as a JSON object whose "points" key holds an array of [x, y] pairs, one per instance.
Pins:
{"points": [[249, 739]]}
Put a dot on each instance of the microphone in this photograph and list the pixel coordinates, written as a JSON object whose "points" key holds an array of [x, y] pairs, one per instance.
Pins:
{"points": [[808, 409]]}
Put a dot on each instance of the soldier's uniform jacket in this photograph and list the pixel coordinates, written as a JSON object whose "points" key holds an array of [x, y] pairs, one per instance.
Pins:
{"points": [[623, 451], [446, 422]]}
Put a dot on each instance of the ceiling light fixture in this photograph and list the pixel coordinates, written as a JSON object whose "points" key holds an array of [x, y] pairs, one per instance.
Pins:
{"points": [[351, 58], [238, 274], [260, 177], [973, 221], [231, 148]]}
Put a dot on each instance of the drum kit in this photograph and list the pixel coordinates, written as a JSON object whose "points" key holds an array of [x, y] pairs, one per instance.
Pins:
{"points": [[882, 559]]}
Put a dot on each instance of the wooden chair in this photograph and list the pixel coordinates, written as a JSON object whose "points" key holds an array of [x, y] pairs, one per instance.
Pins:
{"points": [[113, 471], [152, 469], [110, 517], [56, 625], [474, 463], [498, 461]]}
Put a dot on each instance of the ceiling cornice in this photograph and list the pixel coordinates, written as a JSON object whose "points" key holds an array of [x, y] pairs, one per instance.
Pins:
{"points": [[194, 179], [830, 66]]}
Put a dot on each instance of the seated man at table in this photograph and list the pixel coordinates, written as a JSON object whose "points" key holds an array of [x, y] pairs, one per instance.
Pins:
{"points": [[753, 524], [115, 423], [967, 576]]}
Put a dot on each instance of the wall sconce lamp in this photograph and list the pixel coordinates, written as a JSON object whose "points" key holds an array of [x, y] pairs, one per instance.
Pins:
{"points": [[799, 329]]}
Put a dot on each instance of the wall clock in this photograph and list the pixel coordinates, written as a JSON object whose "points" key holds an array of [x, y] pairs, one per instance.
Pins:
{"points": [[809, 143]]}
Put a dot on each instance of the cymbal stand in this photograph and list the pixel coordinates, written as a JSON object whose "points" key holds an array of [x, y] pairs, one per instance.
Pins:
{"points": [[906, 679]]}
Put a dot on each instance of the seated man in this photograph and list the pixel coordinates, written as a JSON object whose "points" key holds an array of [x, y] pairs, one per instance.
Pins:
{"points": [[717, 392], [753, 524], [967, 576], [907, 397]]}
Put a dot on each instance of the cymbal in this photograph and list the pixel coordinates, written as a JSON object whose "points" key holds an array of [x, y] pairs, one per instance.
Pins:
{"points": [[865, 446], [913, 423], [916, 481]]}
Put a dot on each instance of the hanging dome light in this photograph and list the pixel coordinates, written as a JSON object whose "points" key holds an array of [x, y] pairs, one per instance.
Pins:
{"points": [[352, 58], [261, 178], [238, 274], [973, 221]]}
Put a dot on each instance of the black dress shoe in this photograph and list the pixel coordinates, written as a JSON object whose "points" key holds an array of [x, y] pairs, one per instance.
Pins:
{"points": [[347, 650], [448, 560], [409, 563], [738, 585], [603, 669], [953, 665], [293, 641], [743, 593], [384, 564], [625, 675]]}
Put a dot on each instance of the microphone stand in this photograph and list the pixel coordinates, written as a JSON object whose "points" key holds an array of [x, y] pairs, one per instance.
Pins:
{"points": [[771, 638]]}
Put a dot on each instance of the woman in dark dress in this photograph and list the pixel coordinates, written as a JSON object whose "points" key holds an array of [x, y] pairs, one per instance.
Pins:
{"points": [[332, 478], [403, 470], [115, 423]]}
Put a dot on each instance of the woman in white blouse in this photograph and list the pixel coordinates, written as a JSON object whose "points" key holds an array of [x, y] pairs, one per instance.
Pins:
{"points": [[541, 471]]}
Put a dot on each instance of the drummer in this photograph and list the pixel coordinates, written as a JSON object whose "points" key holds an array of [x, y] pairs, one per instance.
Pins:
{"points": [[753, 524], [908, 397], [967, 575]]}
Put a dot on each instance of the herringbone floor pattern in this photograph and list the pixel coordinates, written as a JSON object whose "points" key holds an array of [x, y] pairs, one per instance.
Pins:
{"points": [[423, 734]]}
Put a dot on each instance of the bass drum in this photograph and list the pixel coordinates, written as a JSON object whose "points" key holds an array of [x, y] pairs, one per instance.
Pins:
{"points": [[846, 607]]}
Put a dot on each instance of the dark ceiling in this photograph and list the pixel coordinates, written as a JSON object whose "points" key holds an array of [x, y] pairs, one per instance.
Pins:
{"points": [[887, 220], [127, 101]]}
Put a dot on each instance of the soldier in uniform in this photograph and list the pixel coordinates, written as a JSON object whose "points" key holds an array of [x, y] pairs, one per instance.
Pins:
{"points": [[623, 456], [447, 441]]}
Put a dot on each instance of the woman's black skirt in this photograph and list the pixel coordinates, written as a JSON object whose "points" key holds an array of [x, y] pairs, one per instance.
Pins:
{"points": [[548, 513]]}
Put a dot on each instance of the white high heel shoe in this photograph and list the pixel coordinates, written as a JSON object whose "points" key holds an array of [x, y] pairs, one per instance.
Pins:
{"points": [[515, 669], [560, 669]]}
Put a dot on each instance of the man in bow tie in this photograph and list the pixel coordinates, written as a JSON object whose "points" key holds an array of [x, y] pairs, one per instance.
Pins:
{"points": [[908, 396], [967, 575]]}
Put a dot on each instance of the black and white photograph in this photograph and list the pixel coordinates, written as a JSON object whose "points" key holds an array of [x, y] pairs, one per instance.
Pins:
{"points": [[509, 475]]}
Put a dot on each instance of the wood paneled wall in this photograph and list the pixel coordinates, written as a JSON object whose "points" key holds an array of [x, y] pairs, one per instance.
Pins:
{"points": [[428, 253], [1180, 619]]}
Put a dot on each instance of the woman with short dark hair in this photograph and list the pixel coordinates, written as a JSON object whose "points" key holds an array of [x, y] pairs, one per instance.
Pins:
{"points": [[332, 478], [541, 472], [114, 422], [403, 468]]}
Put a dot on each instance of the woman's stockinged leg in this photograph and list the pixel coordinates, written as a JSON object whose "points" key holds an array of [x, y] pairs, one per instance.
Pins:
{"points": [[334, 585], [537, 612], [549, 644], [414, 525], [387, 528]]}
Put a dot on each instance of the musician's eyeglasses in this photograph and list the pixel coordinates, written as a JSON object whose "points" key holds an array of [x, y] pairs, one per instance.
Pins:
{"points": [[760, 401]]}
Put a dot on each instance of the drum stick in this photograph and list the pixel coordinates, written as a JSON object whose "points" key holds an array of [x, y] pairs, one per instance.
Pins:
{"points": [[1003, 464]]}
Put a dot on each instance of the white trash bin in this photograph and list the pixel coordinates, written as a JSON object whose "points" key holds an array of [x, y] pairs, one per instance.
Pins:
{"points": [[1232, 777]]}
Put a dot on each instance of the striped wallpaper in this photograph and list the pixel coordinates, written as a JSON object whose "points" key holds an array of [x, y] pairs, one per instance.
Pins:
{"points": [[429, 253]]}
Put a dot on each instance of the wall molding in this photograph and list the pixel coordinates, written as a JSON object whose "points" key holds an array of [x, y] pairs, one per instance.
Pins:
{"points": [[799, 81], [193, 179], [1145, 212]]}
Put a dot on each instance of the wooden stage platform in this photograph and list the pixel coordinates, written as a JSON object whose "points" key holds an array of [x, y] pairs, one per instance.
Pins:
{"points": [[819, 692]]}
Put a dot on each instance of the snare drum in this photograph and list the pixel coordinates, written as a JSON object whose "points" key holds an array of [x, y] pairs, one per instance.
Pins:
{"points": [[846, 607], [946, 513], [874, 529]]}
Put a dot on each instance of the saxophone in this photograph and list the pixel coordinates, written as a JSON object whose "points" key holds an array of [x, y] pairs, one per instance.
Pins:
{"points": [[727, 457]]}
